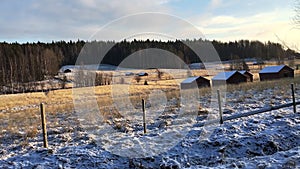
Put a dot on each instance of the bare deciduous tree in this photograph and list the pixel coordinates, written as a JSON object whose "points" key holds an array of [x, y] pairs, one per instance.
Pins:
{"points": [[159, 74]]}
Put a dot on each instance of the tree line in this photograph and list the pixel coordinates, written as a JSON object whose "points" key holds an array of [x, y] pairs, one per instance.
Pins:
{"points": [[30, 62]]}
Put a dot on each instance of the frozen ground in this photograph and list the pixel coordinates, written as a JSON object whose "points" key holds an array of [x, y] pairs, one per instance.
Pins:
{"points": [[268, 140]]}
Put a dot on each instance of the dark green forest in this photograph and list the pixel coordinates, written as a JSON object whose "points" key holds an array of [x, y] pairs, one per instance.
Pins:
{"points": [[20, 63]]}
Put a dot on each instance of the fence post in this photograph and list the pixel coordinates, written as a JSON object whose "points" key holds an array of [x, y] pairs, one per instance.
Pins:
{"points": [[44, 128], [144, 116], [220, 107], [293, 95]]}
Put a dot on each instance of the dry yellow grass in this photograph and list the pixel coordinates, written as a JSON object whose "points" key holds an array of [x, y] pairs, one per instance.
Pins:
{"points": [[13, 100], [62, 100], [22, 110], [261, 85]]}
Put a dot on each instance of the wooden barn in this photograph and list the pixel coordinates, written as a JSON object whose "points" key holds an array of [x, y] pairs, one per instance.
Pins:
{"points": [[142, 74], [67, 71], [232, 77], [247, 74], [276, 72], [197, 81]]}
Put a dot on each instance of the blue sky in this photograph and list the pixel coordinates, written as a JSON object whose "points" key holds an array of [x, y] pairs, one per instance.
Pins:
{"points": [[224, 20]]}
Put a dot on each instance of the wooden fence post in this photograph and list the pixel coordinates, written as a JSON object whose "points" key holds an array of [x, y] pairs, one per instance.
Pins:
{"points": [[44, 128], [294, 100], [144, 116], [220, 107]]}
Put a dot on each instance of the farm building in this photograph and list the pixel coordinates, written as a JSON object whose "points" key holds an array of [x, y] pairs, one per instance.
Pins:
{"points": [[142, 74], [276, 72], [67, 71], [129, 73], [196, 66], [232, 77], [192, 82], [248, 75]]}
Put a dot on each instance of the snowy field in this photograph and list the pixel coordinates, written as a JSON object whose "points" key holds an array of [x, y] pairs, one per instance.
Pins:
{"points": [[268, 140]]}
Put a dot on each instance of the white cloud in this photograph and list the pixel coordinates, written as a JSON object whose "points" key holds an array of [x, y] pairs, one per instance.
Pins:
{"points": [[225, 20], [60, 19], [265, 26]]}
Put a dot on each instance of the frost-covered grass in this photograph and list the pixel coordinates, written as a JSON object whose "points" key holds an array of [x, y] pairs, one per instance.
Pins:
{"points": [[20, 113], [268, 140], [22, 110]]}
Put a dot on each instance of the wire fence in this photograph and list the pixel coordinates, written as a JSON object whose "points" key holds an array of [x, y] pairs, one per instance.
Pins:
{"points": [[221, 119]]}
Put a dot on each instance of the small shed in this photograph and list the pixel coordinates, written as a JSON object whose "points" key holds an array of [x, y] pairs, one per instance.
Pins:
{"points": [[196, 66], [247, 74], [231, 77], [276, 72], [129, 73], [67, 71], [142, 74], [192, 82]]}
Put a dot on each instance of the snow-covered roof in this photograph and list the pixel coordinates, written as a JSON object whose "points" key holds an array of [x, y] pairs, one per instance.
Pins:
{"points": [[142, 74], [224, 75], [272, 69], [190, 79], [196, 66], [244, 71], [64, 68], [129, 73]]}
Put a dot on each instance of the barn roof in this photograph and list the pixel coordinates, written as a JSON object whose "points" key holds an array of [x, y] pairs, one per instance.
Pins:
{"points": [[142, 74], [224, 75], [272, 69], [190, 79], [245, 71], [242, 71], [64, 68]]}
